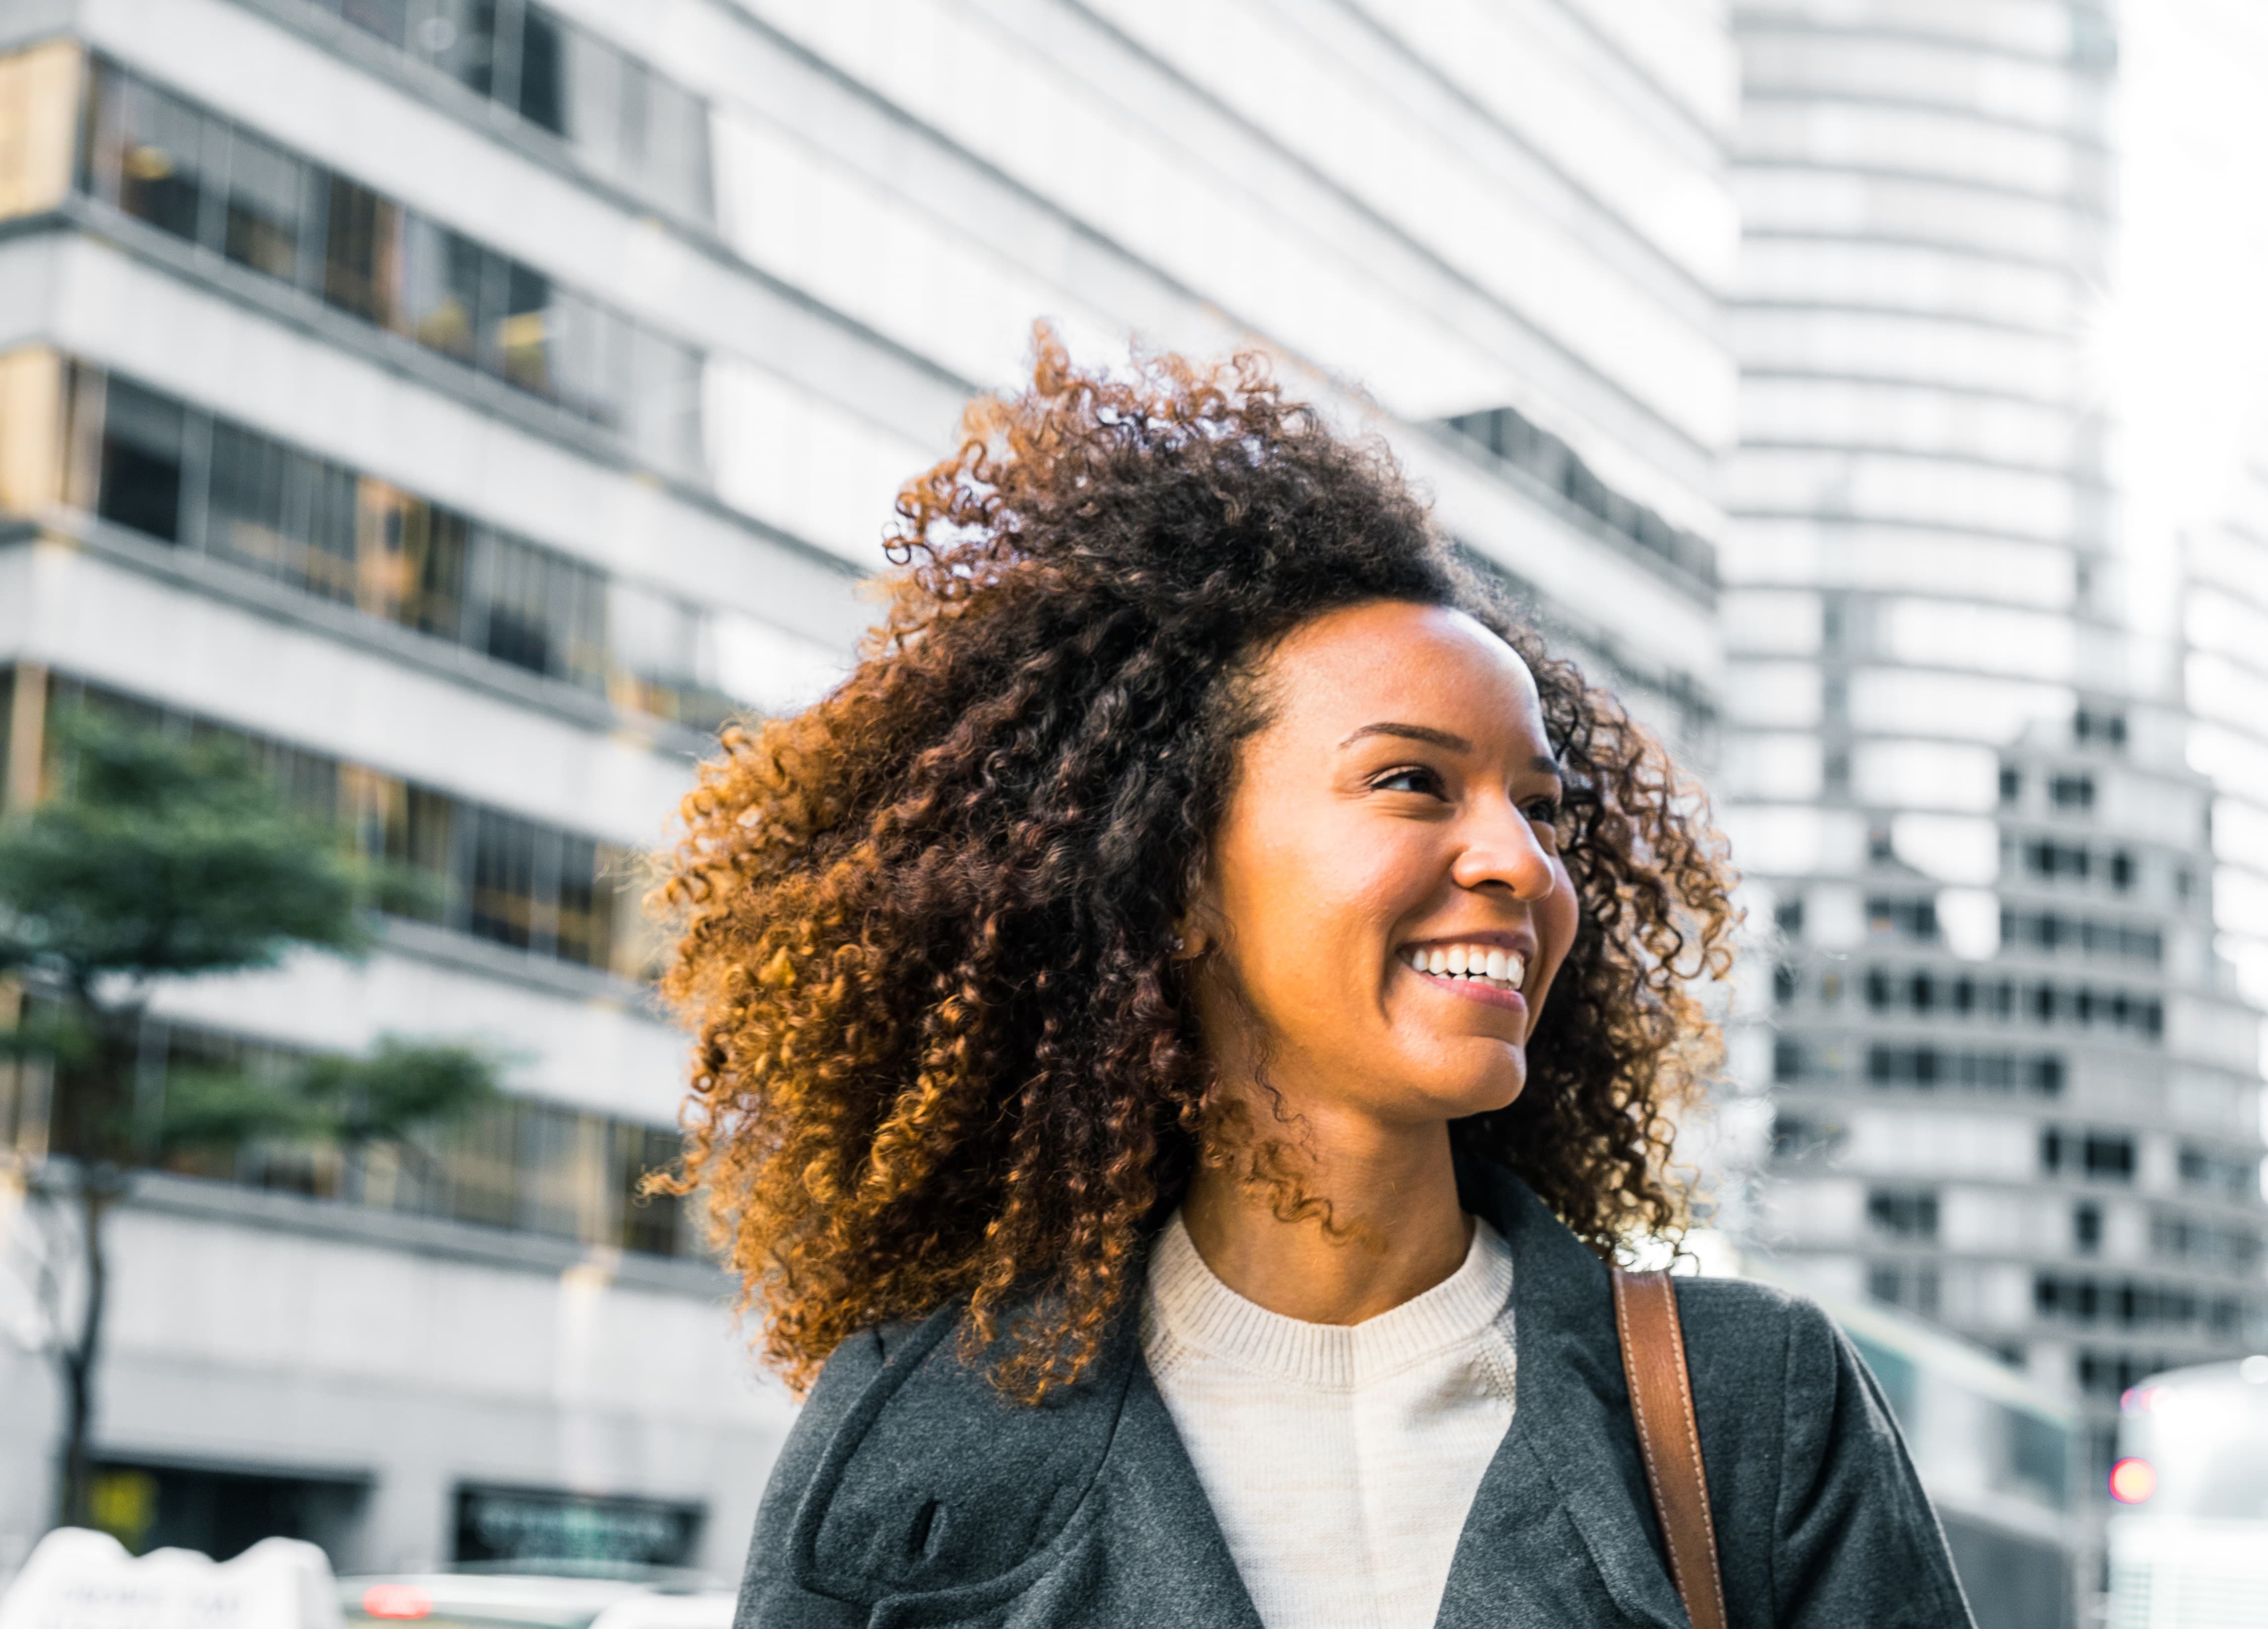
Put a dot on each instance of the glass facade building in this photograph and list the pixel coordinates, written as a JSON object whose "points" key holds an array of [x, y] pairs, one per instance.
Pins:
{"points": [[469, 406], [2004, 1077]]}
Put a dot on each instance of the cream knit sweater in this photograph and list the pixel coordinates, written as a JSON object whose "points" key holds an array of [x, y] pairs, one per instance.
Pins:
{"points": [[1340, 1459]]}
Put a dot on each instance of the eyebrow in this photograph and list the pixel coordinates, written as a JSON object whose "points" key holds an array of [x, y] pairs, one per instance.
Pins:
{"points": [[1543, 763]]}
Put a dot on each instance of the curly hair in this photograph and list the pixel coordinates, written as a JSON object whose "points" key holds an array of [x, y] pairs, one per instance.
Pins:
{"points": [[942, 1054]]}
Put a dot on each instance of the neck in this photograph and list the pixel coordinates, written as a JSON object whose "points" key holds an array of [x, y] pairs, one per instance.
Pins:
{"points": [[1394, 1231]]}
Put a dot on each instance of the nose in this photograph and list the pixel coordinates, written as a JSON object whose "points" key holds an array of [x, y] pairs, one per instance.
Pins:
{"points": [[1501, 851]]}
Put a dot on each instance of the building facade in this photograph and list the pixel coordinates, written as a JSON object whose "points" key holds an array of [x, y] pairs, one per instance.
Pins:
{"points": [[2225, 675], [2012, 1085], [468, 406]]}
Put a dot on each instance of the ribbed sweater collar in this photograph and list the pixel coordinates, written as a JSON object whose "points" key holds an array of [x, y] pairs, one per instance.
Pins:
{"points": [[1199, 1310]]}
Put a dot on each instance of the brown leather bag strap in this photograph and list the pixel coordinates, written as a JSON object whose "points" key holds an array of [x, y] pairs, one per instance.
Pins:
{"points": [[1662, 1402]]}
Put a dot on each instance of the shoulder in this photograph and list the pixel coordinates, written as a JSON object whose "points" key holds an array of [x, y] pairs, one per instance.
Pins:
{"points": [[1756, 1339], [1818, 1507], [1770, 1366], [908, 1471]]}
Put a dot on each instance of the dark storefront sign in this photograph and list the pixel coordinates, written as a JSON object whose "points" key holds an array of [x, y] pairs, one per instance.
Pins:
{"points": [[221, 1512], [503, 1524]]}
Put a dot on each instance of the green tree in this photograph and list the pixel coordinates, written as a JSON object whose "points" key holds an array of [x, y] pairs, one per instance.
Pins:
{"points": [[159, 858]]}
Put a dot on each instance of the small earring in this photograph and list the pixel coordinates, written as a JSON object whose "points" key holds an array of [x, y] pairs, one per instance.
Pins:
{"points": [[1179, 944]]}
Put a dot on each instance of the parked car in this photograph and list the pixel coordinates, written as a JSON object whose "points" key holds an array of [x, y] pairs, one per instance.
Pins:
{"points": [[530, 1601]]}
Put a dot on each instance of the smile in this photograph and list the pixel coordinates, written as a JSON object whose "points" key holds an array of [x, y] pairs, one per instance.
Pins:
{"points": [[1490, 965]]}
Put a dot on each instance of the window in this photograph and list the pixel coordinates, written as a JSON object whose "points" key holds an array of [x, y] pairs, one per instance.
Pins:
{"points": [[1903, 918], [2071, 792], [159, 158], [2109, 727], [627, 123], [450, 290], [268, 199], [139, 463], [410, 560], [458, 864], [2110, 1373], [2011, 784], [2236, 1176], [282, 513], [1897, 1286], [332, 533], [1904, 1213], [2048, 859], [1929, 1066], [363, 231], [2087, 1229], [2081, 1299], [2050, 931], [1801, 1137], [148, 156], [2102, 1155], [1528, 447], [2189, 1239], [519, 1162]]}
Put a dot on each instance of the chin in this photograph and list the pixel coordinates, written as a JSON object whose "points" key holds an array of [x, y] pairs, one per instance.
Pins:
{"points": [[1462, 1098]]}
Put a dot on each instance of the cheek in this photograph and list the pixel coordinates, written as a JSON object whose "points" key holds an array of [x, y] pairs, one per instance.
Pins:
{"points": [[1556, 918], [1319, 909]]}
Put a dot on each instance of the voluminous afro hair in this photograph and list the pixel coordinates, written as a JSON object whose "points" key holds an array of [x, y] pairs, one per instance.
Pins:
{"points": [[943, 1055]]}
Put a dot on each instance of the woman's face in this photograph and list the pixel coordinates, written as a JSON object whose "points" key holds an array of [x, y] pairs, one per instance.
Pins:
{"points": [[1386, 886]]}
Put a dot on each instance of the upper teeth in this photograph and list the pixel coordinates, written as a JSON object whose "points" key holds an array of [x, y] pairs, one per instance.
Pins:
{"points": [[1498, 967]]}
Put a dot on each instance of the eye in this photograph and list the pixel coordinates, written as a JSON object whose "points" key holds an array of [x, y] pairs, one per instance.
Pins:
{"points": [[1544, 811], [1409, 777]]}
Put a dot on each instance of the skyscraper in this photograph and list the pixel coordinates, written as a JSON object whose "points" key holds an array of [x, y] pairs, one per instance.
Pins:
{"points": [[468, 403], [2011, 1086]]}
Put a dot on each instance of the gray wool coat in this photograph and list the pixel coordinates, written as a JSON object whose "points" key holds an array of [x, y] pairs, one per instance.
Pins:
{"points": [[910, 1494]]}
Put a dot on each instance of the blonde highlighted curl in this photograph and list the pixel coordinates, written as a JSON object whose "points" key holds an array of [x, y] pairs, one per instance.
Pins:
{"points": [[943, 1056]]}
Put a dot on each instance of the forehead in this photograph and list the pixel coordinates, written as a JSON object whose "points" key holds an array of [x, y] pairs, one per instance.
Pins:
{"points": [[1414, 664]]}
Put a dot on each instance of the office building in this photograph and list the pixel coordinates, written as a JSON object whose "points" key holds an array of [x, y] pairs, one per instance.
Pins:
{"points": [[470, 405], [2011, 1086]]}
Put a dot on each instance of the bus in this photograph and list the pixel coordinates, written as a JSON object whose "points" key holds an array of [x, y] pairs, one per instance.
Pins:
{"points": [[2189, 1543]]}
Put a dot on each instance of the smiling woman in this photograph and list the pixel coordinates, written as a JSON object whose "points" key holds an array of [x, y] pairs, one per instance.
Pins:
{"points": [[1204, 977]]}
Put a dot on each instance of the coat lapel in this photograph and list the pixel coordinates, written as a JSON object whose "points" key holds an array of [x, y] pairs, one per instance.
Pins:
{"points": [[1162, 1526], [1562, 1530]]}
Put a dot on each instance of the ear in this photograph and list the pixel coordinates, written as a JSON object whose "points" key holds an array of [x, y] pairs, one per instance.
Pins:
{"points": [[1194, 933], [1198, 928]]}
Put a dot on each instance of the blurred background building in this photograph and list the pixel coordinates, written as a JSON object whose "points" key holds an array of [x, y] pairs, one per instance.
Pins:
{"points": [[469, 403], [2013, 1086]]}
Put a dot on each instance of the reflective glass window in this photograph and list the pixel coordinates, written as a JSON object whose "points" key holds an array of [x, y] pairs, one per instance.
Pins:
{"points": [[448, 283], [150, 154], [583, 925], [539, 610], [145, 461], [502, 900], [588, 357], [458, 37], [386, 19], [139, 477], [267, 206], [604, 96], [540, 89], [523, 331], [363, 235], [156, 157], [410, 560]]}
